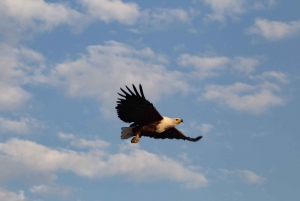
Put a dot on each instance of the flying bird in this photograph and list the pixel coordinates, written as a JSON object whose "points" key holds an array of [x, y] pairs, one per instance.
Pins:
{"points": [[145, 120]]}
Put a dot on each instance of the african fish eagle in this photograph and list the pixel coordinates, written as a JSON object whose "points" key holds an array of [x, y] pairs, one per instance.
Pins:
{"points": [[134, 108]]}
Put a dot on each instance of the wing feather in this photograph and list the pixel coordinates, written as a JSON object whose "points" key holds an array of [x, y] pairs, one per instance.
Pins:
{"points": [[126, 94], [142, 93], [135, 108], [132, 94], [121, 95], [136, 92], [171, 133]]}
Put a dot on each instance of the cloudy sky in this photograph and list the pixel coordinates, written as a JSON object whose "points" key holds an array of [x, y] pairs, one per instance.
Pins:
{"points": [[229, 68]]}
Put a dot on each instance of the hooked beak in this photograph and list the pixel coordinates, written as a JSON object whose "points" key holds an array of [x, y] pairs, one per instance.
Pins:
{"points": [[181, 120]]}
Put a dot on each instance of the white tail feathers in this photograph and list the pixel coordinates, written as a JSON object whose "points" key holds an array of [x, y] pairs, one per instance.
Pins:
{"points": [[126, 132]]}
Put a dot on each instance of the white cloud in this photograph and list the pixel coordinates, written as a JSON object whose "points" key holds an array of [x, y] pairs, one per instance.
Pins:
{"points": [[224, 9], [82, 143], [212, 66], [23, 126], [221, 9], [274, 30], [250, 177], [107, 10], [129, 13], [265, 4], [179, 47], [22, 20], [137, 164], [244, 65], [105, 68], [225, 173], [12, 97], [244, 97], [279, 76], [159, 18], [17, 17], [6, 195], [18, 66], [205, 128], [12, 170], [247, 176], [204, 66], [51, 190], [184, 157]]}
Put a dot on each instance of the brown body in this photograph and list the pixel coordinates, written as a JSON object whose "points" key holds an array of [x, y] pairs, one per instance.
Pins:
{"points": [[138, 131]]}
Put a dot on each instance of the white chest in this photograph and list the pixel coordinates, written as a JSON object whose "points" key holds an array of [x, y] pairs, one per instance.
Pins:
{"points": [[165, 124]]}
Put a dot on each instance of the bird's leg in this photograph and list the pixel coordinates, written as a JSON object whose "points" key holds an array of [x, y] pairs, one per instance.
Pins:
{"points": [[136, 139]]}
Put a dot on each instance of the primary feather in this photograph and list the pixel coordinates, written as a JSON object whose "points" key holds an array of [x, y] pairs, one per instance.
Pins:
{"points": [[134, 108]]}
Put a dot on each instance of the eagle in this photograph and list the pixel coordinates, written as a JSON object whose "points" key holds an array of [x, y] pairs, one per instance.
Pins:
{"points": [[145, 120]]}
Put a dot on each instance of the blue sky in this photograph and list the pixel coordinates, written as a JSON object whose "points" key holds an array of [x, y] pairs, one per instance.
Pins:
{"points": [[228, 68]]}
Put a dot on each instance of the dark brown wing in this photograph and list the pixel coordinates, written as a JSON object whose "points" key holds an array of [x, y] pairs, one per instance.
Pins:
{"points": [[171, 133], [134, 108]]}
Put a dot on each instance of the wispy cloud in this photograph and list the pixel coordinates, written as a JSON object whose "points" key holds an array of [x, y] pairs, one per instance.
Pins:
{"points": [[264, 4], [108, 11], [234, 9], [212, 66], [274, 30], [11, 196], [222, 9], [109, 66], [278, 76], [83, 143], [246, 176], [25, 125], [250, 177], [204, 66], [115, 64], [162, 18], [34, 16], [12, 97], [254, 99], [52, 190], [204, 128], [245, 65], [184, 157], [19, 66], [137, 164], [21, 20]]}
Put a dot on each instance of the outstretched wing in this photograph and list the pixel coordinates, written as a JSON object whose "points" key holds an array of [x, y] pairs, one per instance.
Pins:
{"points": [[134, 108], [171, 133]]}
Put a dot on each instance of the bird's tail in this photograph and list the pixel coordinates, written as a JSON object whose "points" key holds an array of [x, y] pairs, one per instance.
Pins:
{"points": [[126, 132]]}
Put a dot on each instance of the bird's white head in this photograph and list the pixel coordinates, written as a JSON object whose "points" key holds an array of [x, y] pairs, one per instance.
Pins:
{"points": [[178, 120]]}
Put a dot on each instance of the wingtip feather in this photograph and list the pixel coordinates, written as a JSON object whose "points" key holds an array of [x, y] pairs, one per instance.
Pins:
{"points": [[136, 91], [194, 139], [126, 94], [141, 91], [132, 94]]}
